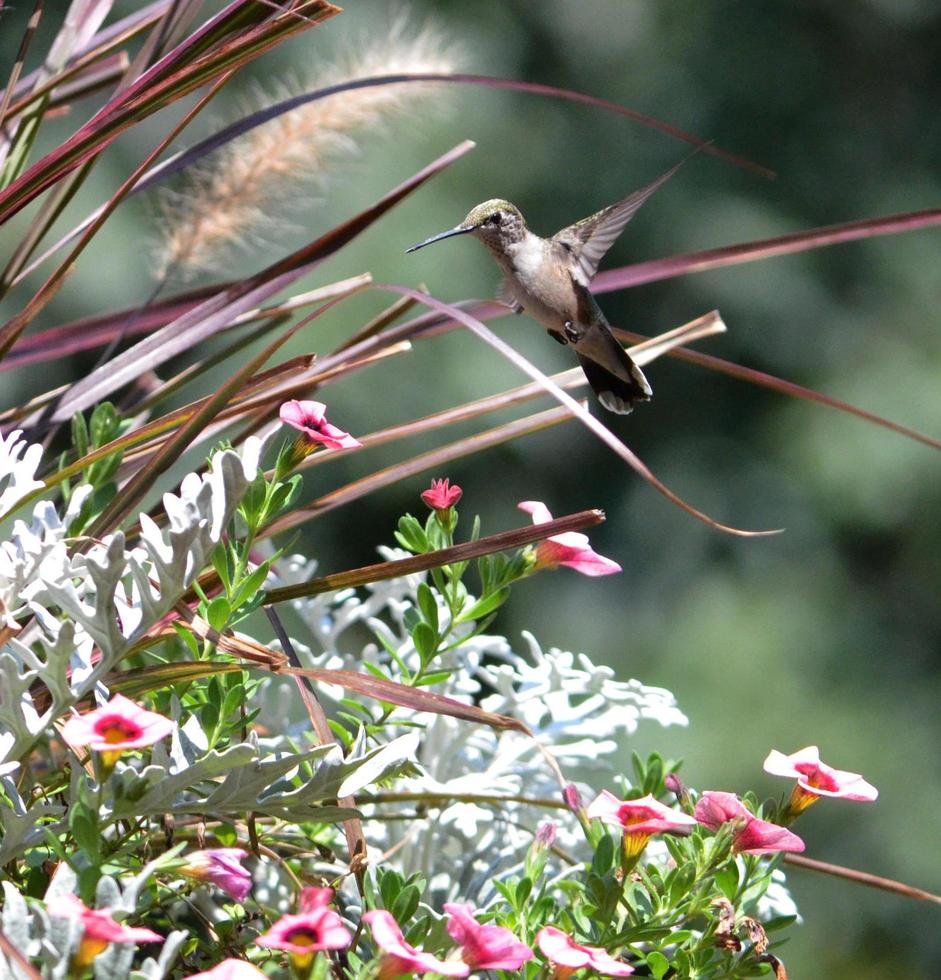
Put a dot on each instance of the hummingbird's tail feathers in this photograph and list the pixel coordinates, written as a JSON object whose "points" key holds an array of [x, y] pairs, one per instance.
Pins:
{"points": [[616, 393]]}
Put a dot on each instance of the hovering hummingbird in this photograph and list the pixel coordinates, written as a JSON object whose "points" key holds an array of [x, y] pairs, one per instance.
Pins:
{"points": [[549, 278]]}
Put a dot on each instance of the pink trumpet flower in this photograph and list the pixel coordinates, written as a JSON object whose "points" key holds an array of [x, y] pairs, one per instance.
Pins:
{"points": [[751, 835], [116, 727], [100, 930], [310, 418], [815, 779], [398, 957], [317, 927], [484, 947], [567, 956], [222, 867], [639, 819], [570, 549]]}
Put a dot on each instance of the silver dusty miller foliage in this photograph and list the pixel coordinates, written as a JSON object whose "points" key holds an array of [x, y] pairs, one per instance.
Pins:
{"points": [[575, 708]]}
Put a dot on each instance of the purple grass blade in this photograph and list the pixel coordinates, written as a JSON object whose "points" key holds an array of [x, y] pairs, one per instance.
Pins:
{"points": [[185, 158], [218, 311], [432, 323], [589, 421], [434, 458], [258, 118], [206, 53], [655, 270], [31, 26], [784, 387], [117, 32]]}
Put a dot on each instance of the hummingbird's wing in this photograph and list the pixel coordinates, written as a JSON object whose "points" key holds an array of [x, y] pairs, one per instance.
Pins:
{"points": [[588, 240]]}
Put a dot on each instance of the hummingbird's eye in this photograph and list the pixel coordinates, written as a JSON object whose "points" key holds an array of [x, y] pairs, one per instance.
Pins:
{"points": [[495, 218]]}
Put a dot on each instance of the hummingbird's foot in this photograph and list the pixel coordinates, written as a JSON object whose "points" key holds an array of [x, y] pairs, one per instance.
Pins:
{"points": [[559, 336], [572, 334]]}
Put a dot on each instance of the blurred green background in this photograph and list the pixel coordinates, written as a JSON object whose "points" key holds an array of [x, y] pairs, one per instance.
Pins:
{"points": [[827, 634]]}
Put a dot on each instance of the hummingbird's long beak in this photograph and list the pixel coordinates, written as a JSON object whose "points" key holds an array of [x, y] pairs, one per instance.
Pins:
{"points": [[459, 230]]}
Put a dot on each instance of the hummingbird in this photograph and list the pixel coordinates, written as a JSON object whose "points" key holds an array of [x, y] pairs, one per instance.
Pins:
{"points": [[549, 279]]}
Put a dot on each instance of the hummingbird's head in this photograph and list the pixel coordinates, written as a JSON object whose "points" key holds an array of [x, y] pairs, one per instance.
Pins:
{"points": [[496, 223]]}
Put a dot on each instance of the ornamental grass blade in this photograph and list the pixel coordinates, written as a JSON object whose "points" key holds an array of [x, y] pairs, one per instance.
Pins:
{"points": [[786, 388], [419, 699], [218, 311], [641, 353], [133, 492], [433, 323], [93, 332], [655, 270], [17, 324], [467, 550], [242, 126], [28, 34], [231, 38], [417, 464], [579, 411], [261, 116], [416, 698]]}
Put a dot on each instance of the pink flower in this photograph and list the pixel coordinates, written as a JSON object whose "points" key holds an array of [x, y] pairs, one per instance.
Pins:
{"points": [[816, 779], [230, 969], [99, 928], [570, 548], [399, 957], [317, 927], [569, 956], [639, 819], [751, 836], [116, 727], [442, 496], [484, 947], [310, 418], [221, 867]]}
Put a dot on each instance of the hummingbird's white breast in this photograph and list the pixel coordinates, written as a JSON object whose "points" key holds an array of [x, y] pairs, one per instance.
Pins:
{"points": [[540, 280]]}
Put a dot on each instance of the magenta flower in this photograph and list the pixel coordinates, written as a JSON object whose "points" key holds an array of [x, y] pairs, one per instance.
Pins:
{"points": [[310, 418], [570, 548], [638, 819], [230, 969], [751, 835], [220, 866], [568, 956], [815, 779], [116, 727], [442, 496], [399, 957], [99, 928], [317, 927], [484, 947]]}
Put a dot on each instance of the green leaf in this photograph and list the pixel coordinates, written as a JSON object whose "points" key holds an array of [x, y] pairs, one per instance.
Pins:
{"points": [[779, 922], [484, 606], [658, 964], [218, 613], [427, 605], [390, 884], [406, 904], [425, 640], [252, 585], [104, 425], [604, 856], [524, 888], [80, 434], [83, 824], [411, 535], [727, 880]]}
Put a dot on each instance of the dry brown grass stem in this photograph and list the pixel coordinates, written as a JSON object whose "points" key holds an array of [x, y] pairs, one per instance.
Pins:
{"points": [[250, 186]]}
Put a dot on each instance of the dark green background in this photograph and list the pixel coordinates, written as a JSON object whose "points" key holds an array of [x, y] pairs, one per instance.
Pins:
{"points": [[827, 634]]}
